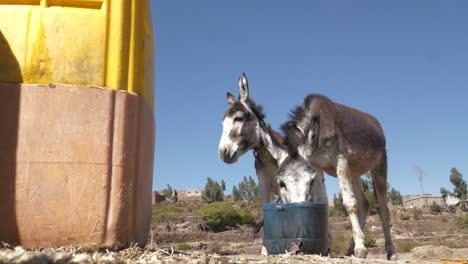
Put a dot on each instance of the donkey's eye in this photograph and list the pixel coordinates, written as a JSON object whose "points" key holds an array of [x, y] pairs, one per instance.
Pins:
{"points": [[237, 119]]}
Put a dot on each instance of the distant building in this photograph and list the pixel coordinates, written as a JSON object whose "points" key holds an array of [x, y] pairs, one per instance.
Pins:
{"points": [[182, 195], [421, 200], [190, 195], [451, 200]]}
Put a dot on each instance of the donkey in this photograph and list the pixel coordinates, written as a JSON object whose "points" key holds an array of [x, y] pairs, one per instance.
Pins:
{"points": [[345, 143], [305, 183], [299, 181], [244, 129]]}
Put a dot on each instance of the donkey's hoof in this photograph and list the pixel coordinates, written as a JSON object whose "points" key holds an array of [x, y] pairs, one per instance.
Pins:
{"points": [[392, 257], [360, 252], [264, 251]]}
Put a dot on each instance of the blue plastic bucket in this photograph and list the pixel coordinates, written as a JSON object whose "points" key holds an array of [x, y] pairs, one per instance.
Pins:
{"points": [[291, 222]]}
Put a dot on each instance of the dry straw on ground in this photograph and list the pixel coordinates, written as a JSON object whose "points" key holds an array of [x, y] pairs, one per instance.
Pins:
{"points": [[151, 255]]}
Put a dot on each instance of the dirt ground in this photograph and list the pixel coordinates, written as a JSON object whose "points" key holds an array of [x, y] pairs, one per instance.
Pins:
{"points": [[425, 254], [177, 238], [425, 238]]}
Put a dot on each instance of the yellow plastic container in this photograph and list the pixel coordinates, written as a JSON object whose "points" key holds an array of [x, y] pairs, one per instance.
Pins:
{"points": [[105, 43], [76, 152]]}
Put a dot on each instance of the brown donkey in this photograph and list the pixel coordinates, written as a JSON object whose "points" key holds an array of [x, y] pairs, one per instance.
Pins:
{"points": [[345, 143]]}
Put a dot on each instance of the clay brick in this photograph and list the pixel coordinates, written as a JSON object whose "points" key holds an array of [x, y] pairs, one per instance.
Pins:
{"points": [[76, 166]]}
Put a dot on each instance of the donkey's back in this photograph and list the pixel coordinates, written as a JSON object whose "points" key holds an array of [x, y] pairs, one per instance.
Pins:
{"points": [[358, 128]]}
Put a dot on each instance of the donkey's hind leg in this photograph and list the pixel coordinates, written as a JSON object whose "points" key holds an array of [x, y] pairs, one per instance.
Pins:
{"points": [[379, 178], [362, 209]]}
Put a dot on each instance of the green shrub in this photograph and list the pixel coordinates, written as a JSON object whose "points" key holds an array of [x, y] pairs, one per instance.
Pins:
{"points": [[406, 246], [338, 205], [368, 240], [404, 216], [247, 218], [254, 208], [463, 220], [435, 208], [417, 214], [348, 226], [339, 245], [166, 212], [182, 246], [452, 208], [370, 197], [220, 215], [333, 212]]}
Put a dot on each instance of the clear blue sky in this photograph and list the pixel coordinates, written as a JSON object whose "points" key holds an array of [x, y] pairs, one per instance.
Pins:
{"points": [[405, 62]]}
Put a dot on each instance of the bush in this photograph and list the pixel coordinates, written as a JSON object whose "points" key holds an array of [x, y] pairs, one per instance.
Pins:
{"points": [[247, 218], [452, 208], [166, 212], [182, 246], [417, 214], [435, 208], [405, 216], [372, 202], [339, 245], [338, 206], [218, 216], [332, 212], [368, 240], [463, 220], [406, 246]]}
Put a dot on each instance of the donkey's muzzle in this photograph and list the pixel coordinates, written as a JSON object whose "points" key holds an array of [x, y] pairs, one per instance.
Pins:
{"points": [[227, 157]]}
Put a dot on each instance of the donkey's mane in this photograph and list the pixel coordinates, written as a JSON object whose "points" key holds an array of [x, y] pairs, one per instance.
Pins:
{"points": [[293, 137], [256, 108], [278, 138], [298, 113]]}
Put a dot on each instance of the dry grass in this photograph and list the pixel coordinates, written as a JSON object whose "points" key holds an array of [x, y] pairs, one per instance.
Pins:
{"points": [[222, 248], [137, 255], [340, 244], [407, 246], [75, 255]]}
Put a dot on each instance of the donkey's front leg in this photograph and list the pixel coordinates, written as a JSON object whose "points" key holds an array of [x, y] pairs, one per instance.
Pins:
{"points": [[350, 203]]}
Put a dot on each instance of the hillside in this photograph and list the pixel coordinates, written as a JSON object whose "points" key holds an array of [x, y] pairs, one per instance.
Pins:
{"points": [[411, 228]]}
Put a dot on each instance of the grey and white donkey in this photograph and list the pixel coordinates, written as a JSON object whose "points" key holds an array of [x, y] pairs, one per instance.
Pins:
{"points": [[244, 129], [345, 143], [300, 181]]}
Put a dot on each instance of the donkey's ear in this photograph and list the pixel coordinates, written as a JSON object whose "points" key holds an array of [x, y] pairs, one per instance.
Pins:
{"points": [[230, 98], [243, 87]]}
